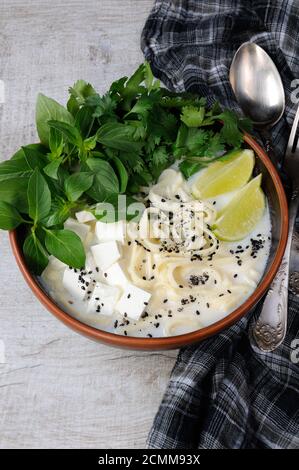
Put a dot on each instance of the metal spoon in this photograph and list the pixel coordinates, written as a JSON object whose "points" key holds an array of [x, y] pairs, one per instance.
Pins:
{"points": [[258, 89]]}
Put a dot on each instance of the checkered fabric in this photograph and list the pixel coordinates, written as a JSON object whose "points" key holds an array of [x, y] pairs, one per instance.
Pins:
{"points": [[222, 393]]}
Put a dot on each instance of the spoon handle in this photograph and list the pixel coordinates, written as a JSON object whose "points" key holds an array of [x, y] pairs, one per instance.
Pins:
{"points": [[267, 139], [270, 328]]}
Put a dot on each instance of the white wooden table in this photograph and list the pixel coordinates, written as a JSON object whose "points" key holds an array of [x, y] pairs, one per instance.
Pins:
{"points": [[58, 389]]}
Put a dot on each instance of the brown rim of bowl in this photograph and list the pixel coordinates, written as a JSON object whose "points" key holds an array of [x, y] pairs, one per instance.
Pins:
{"points": [[171, 342]]}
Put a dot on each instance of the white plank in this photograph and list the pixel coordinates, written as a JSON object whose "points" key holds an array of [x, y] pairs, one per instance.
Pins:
{"points": [[58, 389]]}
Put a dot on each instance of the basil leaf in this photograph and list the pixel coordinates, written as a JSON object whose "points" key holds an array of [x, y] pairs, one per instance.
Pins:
{"points": [[55, 142], [118, 136], [59, 213], [39, 196], [46, 109], [19, 155], [15, 168], [70, 132], [14, 191], [84, 121], [76, 184], [122, 173], [9, 216], [35, 254], [105, 182], [66, 246], [52, 168], [34, 158]]}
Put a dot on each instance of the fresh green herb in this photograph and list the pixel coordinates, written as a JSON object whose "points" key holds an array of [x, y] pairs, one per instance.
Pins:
{"points": [[35, 254], [101, 146], [105, 180], [39, 197], [52, 168], [66, 246], [76, 184], [9, 216], [48, 109]]}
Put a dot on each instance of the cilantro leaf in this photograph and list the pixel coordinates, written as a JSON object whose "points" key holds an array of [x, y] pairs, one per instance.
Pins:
{"points": [[103, 105], [160, 156], [230, 132], [192, 116]]}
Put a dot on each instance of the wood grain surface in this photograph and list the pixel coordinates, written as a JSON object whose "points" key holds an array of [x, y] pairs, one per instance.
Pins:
{"points": [[57, 389]]}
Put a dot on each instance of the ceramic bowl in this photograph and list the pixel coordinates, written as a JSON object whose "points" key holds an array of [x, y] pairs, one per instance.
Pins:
{"points": [[279, 217]]}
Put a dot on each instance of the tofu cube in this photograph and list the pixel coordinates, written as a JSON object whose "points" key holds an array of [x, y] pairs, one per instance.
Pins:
{"points": [[76, 283], [103, 299], [80, 229], [105, 254], [133, 301], [84, 216], [114, 231], [114, 276]]}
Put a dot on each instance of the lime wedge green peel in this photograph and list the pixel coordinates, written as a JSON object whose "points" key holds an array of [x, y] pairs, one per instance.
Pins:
{"points": [[239, 217], [225, 175]]}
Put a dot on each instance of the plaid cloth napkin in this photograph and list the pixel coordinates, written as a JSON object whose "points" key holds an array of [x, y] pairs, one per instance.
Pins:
{"points": [[222, 393]]}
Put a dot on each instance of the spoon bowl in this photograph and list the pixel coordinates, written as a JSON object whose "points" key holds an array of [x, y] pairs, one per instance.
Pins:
{"points": [[257, 85]]}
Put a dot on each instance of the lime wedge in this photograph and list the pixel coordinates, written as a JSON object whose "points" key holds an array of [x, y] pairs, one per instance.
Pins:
{"points": [[225, 175], [239, 217]]}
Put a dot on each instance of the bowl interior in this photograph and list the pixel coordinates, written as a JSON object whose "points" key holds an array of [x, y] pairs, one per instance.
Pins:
{"points": [[279, 218]]}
